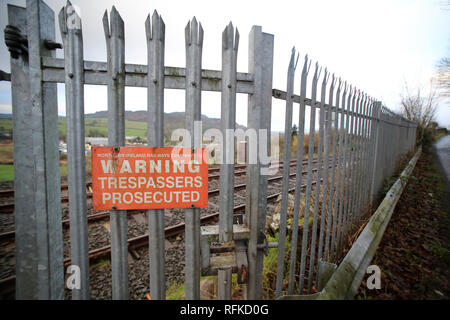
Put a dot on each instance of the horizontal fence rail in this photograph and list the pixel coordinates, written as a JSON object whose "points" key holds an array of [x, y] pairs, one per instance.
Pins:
{"points": [[354, 143]]}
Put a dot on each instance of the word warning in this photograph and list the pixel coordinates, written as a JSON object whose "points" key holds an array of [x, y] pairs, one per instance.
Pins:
{"points": [[149, 178]]}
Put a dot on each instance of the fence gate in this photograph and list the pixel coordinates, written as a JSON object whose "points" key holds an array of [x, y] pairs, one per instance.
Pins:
{"points": [[358, 143]]}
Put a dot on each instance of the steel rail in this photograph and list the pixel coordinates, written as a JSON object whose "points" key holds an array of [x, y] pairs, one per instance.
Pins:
{"points": [[8, 235], [7, 284]]}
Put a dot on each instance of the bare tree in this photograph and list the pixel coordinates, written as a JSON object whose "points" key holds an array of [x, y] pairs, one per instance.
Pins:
{"points": [[419, 107]]}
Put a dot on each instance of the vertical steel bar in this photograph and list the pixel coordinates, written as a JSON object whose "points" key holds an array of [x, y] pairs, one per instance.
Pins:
{"points": [[115, 42], [155, 35], [376, 113], [350, 172], [326, 210], [25, 222], [260, 64], [340, 173], [367, 155], [71, 33], [353, 167], [373, 157], [194, 44], [298, 175], [44, 123], [286, 172], [224, 283], [345, 177], [383, 153], [230, 43], [388, 147], [358, 161], [321, 167], [312, 124], [364, 163]]}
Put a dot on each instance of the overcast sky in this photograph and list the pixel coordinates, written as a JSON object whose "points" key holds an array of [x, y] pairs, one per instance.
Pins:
{"points": [[375, 45]]}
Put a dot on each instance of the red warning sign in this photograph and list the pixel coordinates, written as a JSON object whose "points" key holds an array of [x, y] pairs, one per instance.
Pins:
{"points": [[149, 178]]}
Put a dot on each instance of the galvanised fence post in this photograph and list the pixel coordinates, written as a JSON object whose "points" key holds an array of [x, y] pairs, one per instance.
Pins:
{"points": [[155, 34], [194, 47], [259, 114], [39, 246], [71, 33], [115, 44]]}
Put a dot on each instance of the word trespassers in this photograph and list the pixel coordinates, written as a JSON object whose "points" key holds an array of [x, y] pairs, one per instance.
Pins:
{"points": [[149, 178]]}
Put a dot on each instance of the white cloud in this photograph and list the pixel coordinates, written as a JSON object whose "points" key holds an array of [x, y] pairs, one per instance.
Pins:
{"points": [[5, 108], [374, 45]]}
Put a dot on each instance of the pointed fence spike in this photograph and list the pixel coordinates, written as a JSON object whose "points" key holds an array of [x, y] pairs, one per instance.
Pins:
{"points": [[296, 61], [225, 38], [291, 60], [320, 73], [305, 69], [187, 34], [106, 25], [148, 28], [162, 34], [62, 22], [156, 27], [200, 35], [236, 40], [230, 32], [194, 31], [316, 72]]}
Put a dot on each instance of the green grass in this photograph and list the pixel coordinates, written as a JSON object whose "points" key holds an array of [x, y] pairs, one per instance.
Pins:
{"points": [[94, 127], [6, 125], [63, 171], [7, 172], [177, 290], [101, 264], [135, 128]]}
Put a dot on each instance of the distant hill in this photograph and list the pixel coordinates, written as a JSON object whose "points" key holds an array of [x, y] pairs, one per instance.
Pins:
{"points": [[96, 124], [172, 121]]}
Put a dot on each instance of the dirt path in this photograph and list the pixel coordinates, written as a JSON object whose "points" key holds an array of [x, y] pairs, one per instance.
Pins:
{"points": [[414, 255]]}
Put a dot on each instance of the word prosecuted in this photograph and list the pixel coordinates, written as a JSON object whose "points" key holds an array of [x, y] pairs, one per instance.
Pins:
{"points": [[149, 178]]}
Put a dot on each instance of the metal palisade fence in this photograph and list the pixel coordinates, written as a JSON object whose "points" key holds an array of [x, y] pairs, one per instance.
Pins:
{"points": [[359, 144], [364, 142]]}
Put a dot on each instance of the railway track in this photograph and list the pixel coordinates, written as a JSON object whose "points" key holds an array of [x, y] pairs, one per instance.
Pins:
{"points": [[6, 284], [96, 217]]}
